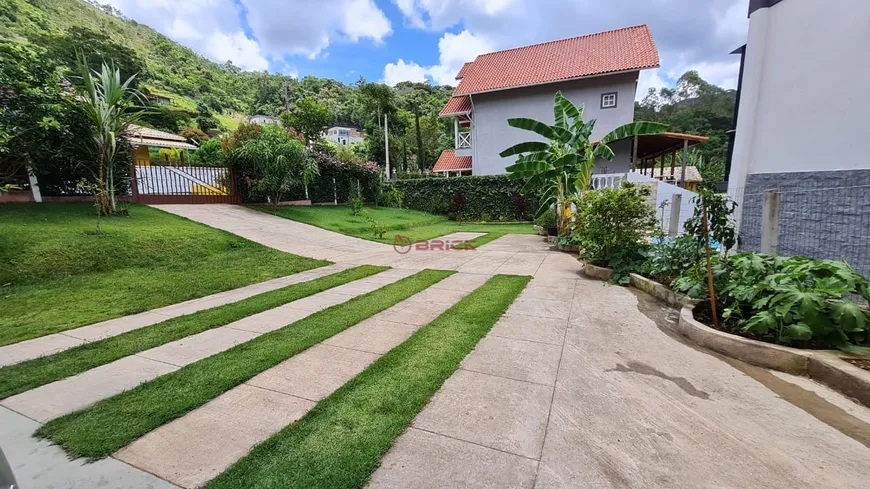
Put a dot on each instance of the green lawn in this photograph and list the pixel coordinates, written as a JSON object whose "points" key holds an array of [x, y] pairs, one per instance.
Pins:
{"points": [[31, 374], [416, 225], [340, 442], [112, 423], [56, 274]]}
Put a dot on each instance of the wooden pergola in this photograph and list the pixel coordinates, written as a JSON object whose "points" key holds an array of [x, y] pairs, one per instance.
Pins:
{"points": [[655, 150]]}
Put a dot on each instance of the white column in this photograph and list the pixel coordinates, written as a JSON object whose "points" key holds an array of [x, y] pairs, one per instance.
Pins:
{"points": [[34, 186], [387, 144]]}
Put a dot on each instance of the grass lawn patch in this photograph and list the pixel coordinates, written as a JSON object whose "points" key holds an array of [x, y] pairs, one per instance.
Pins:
{"points": [[416, 225], [55, 274], [111, 424], [340, 442], [28, 375]]}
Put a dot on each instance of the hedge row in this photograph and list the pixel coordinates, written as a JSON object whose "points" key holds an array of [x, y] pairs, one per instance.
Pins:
{"points": [[484, 198]]}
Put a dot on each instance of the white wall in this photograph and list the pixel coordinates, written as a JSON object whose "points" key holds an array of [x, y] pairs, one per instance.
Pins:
{"points": [[805, 104], [492, 135]]}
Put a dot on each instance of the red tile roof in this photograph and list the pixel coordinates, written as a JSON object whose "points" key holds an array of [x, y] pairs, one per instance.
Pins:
{"points": [[456, 105], [627, 49], [463, 70], [449, 161]]}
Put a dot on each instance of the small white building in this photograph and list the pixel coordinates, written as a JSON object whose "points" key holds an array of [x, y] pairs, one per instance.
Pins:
{"points": [[343, 135], [261, 119]]}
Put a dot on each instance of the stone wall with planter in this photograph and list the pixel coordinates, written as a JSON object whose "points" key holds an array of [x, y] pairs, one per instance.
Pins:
{"points": [[600, 273], [660, 291], [823, 366]]}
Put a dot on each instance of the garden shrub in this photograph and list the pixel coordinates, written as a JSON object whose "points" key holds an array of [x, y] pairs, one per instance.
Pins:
{"points": [[613, 226], [392, 197], [493, 197], [797, 301], [669, 257]]}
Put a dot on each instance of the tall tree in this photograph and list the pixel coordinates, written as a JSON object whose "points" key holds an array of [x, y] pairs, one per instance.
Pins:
{"points": [[308, 117]]}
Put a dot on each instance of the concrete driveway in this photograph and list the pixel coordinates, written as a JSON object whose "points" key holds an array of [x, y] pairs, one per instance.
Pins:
{"points": [[583, 385]]}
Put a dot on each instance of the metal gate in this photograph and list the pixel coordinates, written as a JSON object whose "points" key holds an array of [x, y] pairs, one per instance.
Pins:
{"points": [[155, 184]]}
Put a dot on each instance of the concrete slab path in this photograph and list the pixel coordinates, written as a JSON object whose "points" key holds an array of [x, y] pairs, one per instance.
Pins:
{"points": [[582, 385], [53, 343], [80, 391], [192, 449], [37, 464]]}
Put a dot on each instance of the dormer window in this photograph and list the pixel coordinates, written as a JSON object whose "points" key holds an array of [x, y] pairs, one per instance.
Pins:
{"points": [[608, 100]]}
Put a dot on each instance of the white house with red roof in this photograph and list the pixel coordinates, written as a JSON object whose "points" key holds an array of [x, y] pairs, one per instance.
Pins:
{"points": [[599, 71]]}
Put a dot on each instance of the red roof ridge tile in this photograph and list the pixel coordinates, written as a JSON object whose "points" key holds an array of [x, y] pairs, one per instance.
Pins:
{"points": [[638, 26]]}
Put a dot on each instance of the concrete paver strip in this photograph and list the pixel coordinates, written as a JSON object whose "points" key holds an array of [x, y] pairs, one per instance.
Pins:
{"points": [[53, 343], [80, 391], [424, 460], [310, 375], [515, 359], [39, 465], [632, 407]]}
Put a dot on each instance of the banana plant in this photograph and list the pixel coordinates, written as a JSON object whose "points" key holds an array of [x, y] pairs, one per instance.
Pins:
{"points": [[562, 167]]}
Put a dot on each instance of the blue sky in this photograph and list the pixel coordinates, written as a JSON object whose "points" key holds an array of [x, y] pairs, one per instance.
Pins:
{"points": [[417, 40]]}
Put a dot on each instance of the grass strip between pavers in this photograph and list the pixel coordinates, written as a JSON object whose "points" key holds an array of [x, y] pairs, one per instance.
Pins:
{"points": [[112, 423], [30, 374], [340, 442]]}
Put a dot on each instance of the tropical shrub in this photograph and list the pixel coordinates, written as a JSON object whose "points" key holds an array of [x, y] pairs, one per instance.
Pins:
{"points": [[494, 196], [273, 163], [546, 220], [208, 153], [562, 166], [668, 257], [614, 226], [355, 202], [798, 301], [392, 197]]}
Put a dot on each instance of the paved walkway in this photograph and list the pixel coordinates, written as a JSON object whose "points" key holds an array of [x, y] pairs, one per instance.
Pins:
{"points": [[80, 391], [578, 387], [53, 343], [192, 449], [512, 254]]}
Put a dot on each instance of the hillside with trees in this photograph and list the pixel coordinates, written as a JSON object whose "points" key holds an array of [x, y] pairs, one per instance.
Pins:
{"points": [[209, 97]]}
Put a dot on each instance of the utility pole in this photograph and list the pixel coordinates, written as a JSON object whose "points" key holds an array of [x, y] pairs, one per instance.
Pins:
{"points": [[387, 143]]}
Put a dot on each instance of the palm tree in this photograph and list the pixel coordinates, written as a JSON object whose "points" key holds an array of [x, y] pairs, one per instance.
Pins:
{"points": [[561, 168], [110, 107]]}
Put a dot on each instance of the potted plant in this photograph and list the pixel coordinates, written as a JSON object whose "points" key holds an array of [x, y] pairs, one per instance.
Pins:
{"points": [[547, 224]]}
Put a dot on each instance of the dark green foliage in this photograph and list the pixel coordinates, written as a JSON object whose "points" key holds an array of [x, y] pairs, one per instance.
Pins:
{"points": [[796, 301], [614, 226], [169, 119], [484, 198], [340, 442], [669, 257], [694, 107], [308, 117], [720, 225], [347, 176], [208, 154]]}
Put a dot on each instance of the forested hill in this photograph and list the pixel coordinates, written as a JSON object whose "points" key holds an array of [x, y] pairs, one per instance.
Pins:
{"points": [[169, 69]]}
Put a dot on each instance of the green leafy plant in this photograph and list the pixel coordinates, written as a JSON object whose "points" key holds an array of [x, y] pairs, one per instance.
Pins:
{"points": [[796, 301], [110, 107], [356, 201], [668, 258], [614, 226], [392, 197], [378, 229], [276, 162], [561, 167], [546, 220]]}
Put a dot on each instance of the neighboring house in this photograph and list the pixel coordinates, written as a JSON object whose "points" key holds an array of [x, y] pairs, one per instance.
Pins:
{"points": [[803, 116], [141, 138], [261, 119], [343, 135], [158, 99], [673, 175], [599, 71]]}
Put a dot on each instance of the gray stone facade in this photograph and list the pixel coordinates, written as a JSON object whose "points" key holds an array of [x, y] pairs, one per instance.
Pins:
{"points": [[824, 214]]}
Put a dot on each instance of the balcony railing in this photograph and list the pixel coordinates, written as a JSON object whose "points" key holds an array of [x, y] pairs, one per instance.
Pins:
{"points": [[463, 140]]}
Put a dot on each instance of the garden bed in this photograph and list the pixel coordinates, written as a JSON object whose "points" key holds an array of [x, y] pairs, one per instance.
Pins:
{"points": [[660, 291], [832, 368]]}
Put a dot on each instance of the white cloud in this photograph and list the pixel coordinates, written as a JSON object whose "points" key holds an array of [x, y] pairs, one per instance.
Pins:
{"points": [[649, 79], [243, 51], [401, 71], [308, 27], [454, 50], [215, 28]]}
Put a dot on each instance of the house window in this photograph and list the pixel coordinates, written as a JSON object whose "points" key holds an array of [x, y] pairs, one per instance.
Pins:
{"points": [[608, 100]]}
